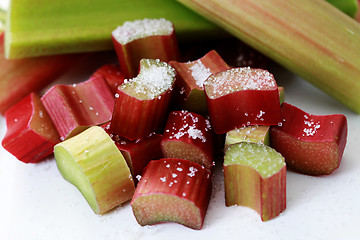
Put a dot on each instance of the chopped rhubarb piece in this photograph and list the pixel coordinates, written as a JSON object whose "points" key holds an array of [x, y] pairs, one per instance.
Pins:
{"points": [[30, 134], [254, 133], [18, 78], [281, 94], [137, 153], [141, 103], [93, 164], [242, 96], [255, 177], [189, 85], [147, 38], [112, 74], [311, 144], [189, 136], [172, 190], [73, 108]]}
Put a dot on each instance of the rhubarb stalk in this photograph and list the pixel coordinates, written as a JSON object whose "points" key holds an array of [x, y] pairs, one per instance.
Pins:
{"points": [[310, 37]]}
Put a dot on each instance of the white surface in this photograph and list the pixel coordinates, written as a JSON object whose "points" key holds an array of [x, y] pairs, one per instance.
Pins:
{"points": [[37, 203]]}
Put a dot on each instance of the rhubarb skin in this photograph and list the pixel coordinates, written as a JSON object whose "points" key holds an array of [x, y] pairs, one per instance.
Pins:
{"points": [[73, 108], [251, 97], [18, 78], [93, 164], [172, 190], [137, 153], [141, 104], [311, 144], [162, 46], [30, 134], [189, 85], [112, 74], [189, 136], [311, 38], [247, 186]]}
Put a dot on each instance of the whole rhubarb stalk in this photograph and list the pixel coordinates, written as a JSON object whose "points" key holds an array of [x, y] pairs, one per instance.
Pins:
{"points": [[20, 77], [311, 38]]}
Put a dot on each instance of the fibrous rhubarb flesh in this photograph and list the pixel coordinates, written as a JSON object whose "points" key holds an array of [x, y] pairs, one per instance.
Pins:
{"points": [[146, 38], [30, 135], [172, 190], [255, 177], [189, 136], [141, 103], [311, 38], [92, 163], [73, 108], [189, 85], [311, 144], [240, 97], [254, 133]]}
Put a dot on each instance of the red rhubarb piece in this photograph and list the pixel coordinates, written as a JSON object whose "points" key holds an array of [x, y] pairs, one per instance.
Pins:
{"points": [[242, 96], [311, 144], [137, 153], [189, 85], [112, 74], [20, 77], [141, 103], [188, 136], [172, 190], [30, 134], [147, 38], [73, 108]]}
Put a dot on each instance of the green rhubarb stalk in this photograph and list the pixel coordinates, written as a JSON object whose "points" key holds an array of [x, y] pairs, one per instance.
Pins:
{"points": [[52, 27], [310, 37], [350, 7], [2, 20]]}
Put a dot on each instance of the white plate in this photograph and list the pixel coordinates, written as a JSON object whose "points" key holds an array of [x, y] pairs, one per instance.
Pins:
{"points": [[37, 203]]}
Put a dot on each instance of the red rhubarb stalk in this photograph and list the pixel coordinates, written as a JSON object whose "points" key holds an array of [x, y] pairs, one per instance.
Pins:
{"points": [[112, 74], [73, 108], [141, 103], [240, 97], [172, 190], [189, 136], [311, 144], [189, 85], [30, 134], [147, 38]]}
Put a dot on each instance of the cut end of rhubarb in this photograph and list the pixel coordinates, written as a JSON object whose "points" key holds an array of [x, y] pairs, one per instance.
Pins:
{"points": [[255, 133], [265, 160], [172, 190], [237, 79], [155, 78], [92, 163], [166, 208], [137, 29]]}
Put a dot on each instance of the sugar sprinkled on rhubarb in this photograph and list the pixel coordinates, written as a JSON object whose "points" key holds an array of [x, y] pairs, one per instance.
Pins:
{"points": [[200, 73], [137, 29], [154, 78], [236, 79]]}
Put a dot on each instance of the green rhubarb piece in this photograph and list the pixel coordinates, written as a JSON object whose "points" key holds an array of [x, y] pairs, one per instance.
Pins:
{"points": [[255, 177], [155, 78], [52, 27], [265, 160], [92, 162], [255, 134], [350, 7], [2, 20], [310, 38]]}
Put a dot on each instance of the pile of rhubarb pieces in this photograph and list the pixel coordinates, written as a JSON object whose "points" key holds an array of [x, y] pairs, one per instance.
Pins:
{"points": [[151, 128]]}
